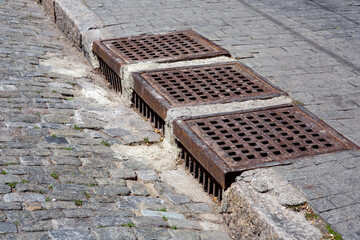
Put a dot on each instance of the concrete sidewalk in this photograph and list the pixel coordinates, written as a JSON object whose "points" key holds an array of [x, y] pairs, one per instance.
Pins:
{"points": [[309, 49]]}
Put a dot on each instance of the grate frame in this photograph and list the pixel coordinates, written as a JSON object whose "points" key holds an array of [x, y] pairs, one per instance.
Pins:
{"points": [[221, 164], [161, 48], [215, 83]]}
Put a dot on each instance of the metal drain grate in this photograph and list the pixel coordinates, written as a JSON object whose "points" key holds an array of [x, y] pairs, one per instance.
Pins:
{"points": [[216, 83], [175, 46], [112, 78], [147, 112], [228, 144]]}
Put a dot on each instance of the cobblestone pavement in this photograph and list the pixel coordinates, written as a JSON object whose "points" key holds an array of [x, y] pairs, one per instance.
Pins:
{"points": [[61, 175], [309, 48]]}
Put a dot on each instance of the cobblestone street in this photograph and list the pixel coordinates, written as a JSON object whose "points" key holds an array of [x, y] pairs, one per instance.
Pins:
{"points": [[77, 163], [67, 171]]}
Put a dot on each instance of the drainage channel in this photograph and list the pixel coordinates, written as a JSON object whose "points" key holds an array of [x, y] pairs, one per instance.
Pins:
{"points": [[216, 147]]}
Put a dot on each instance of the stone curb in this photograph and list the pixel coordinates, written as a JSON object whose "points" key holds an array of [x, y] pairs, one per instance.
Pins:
{"points": [[253, 215], [80, 24]]}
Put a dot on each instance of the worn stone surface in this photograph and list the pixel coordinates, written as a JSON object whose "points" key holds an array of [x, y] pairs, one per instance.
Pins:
{"points": [[61, 178], [254, 215]]}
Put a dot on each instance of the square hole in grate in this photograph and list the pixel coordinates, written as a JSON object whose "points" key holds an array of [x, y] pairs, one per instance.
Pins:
{"points": [[256, 138]]}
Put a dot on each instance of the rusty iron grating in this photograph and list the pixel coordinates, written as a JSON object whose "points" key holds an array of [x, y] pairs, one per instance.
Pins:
{"points": [[227, 144], [215, 83], [111, 76], [171, 47]]}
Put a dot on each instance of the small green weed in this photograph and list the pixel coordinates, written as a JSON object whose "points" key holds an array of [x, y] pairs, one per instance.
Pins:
{"points": [[16, 223], [48, 199], [67, 148], [3, 172], [20, 108], [10, 101], [161, 210], [24, 181], [101, 226], [54, 175], [173, 227], [298, 102], [50, 187], [332, 234], [54, 91], [53, 135], [76, 127], [130, 224], [165, 218], [37, 114], [36, 127], [69, 98], [105, 143], [11, 163], [86, 194], [12, 184], [78, 202]]}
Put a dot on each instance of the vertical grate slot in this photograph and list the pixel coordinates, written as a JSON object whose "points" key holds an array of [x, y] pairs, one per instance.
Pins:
{"points": [[143, 108], [112, 77], [210, 185]]}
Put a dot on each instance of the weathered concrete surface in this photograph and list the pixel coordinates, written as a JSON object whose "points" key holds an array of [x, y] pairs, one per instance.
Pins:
{"points": [[254, 215]]}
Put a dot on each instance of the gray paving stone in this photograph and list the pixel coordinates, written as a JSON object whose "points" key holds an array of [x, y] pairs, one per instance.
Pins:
{"points": [[33, 161], [122, 173], [111, 189], [77, 213], [147, 175], [6, 227], [210, 235], [71, 234], [110, 221], [151, 233], [177, 198], [184, 223], [137, 188], [139, 202], [24, 197], [199, 207], [149, 213], [56, 140], [47, 214], [36, 226], [120, 233], [180, 234], [150, 222], [72, 224]]}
